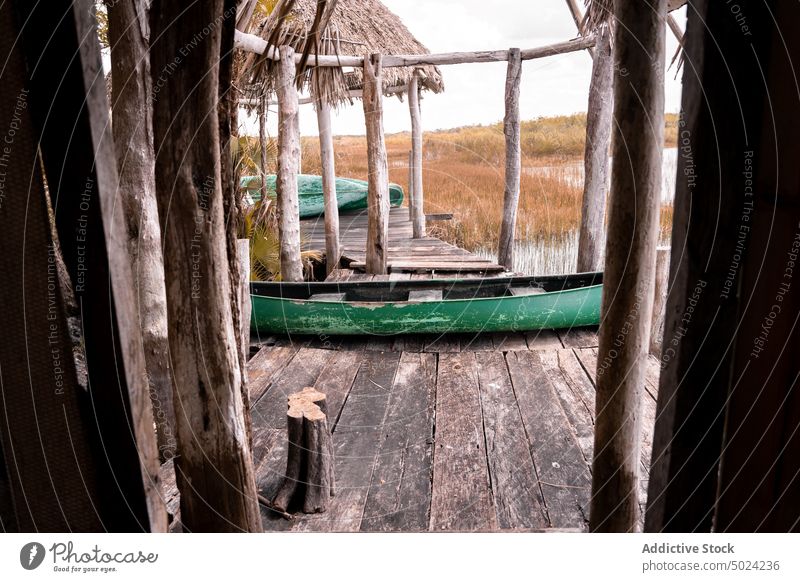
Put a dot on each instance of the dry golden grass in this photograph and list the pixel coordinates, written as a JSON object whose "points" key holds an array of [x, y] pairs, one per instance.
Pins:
{"points": [[464, 175]]}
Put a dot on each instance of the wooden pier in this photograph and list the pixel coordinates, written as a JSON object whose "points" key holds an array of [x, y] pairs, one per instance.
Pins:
{"points": [[406, 254], [457, 432]]}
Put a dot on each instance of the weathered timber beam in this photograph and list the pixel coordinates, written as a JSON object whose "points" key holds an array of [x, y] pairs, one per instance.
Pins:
{"points": [[378, 188], [288, 168], [417, 202], [629, 277], [577, 16], [328, 165], [598, 138], [256, 44], [511, 129]]}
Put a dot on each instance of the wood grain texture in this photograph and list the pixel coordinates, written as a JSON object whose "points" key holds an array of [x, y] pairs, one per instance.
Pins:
{"points": [[562, 469], [462, 496], [418, 199], [400, 493], [595, 161], [511, 130], [378, 178], [515, 486], [327, 158], [288, 168]]}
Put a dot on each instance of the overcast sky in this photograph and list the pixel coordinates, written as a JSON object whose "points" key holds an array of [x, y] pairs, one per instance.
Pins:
{"points": [[473, 93]]}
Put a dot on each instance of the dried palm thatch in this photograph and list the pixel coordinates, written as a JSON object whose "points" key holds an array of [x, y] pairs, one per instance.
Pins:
{"points": [[599, 12], [355, 28]]}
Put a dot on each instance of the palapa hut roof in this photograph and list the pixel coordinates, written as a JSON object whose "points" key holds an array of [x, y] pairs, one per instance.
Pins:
{"points": [[356, 28], [599, 11]]}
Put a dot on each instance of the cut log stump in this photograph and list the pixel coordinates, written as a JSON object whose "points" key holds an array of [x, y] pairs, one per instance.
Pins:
{"points": [[309, 481]]}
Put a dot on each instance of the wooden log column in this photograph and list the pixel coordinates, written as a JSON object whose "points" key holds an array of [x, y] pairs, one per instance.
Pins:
{"points": [[630, 263], [659, 300], [328, 163], [511, 129], [288, 168], [417, 203], [378, 189], [214, 465], [595, 162], [263, 144]]}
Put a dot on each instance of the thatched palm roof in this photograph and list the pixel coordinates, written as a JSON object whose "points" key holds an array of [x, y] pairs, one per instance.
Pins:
{"points": [[599, 12], [356, 28]]}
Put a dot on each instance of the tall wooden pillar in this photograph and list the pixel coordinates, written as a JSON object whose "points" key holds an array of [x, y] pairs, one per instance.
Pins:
{"points": [[416, 194], [77, 424], [214, 465], [511, 129], [599, 115], [328, 163], [378, 189], [630, 262], [288, 167]]}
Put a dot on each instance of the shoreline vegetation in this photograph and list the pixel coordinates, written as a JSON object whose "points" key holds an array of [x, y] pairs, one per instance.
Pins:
{"points": [[463, 174]]}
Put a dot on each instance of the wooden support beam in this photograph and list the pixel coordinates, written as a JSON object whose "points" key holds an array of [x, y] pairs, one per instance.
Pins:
{"points": [[288, 168], [263, 144], [410, 191], [577, 17], [659, 300], [417, 207], [328, 162], [378, 189], [511, 129], [599, 118], [630, 263], [243, 250], [255, 44], [214, 466], [77, 419]]}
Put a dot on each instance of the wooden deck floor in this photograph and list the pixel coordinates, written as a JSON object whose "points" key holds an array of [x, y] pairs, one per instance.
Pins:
{"points": [[406, 254], [483, 433]]}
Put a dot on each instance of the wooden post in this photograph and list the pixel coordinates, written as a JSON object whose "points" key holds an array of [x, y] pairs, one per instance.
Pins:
{"points": [[288, 168], [378, 190], [77, 429], [328, 163], [505, 253], [214, 466], [418, 204], [599, 116], [410, 192], [578, 18], [262, 144], [659, 300], [243, 248], [630, 263], [309, 482]]}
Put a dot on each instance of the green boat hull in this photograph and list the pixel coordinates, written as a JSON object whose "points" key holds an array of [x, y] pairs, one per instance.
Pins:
{"points": [[351, 194], [551, 310]]}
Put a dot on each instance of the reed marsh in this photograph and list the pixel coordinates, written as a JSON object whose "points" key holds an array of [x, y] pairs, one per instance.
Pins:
{"points": [[464, 173]]}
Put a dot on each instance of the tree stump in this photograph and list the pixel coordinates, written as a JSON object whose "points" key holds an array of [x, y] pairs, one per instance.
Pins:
{"points": [[309, 480]]}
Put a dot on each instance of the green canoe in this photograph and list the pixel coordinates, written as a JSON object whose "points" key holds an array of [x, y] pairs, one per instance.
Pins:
{"points": [[468, 305], [351, 194]]}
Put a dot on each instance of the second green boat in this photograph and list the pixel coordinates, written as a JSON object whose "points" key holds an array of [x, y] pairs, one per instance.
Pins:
{"points": [[351, 194]]}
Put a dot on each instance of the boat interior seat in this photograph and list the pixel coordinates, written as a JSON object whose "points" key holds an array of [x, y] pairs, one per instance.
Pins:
{"points": [[519, 291], [333, 297], [425, 295]]}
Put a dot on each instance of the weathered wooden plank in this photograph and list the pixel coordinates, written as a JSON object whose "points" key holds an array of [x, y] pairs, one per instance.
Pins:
{"points": [[264, 367], [517, 495], [505, 342], [543, 339], [579, 416], [357, 440], [511, 129], [479, 342], [462, 497], [400, 493], [579, 337], [336, 380], [562, 469], [441, 343], [302, 371]]}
